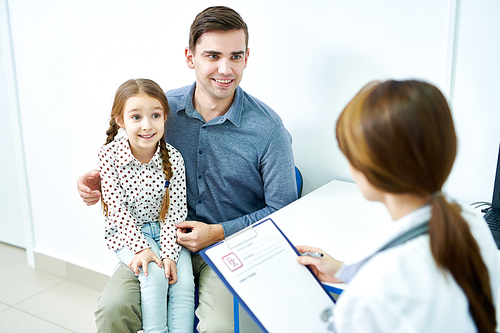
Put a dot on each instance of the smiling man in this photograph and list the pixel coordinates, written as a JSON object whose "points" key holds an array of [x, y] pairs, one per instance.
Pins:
{"points": [[219, 59], [239, 168]]}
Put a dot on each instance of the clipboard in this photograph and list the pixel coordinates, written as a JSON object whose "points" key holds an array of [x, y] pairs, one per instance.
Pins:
{"points": [[259, 266]]}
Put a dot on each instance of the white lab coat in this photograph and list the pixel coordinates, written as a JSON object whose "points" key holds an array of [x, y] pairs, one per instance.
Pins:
{"points": [[401, 289]]}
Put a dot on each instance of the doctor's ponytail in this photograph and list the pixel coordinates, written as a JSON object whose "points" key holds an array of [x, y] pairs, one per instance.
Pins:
{"points": [[455, 249]]}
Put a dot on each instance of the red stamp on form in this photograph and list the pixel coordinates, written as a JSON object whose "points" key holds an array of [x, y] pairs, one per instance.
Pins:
{"points": [[232, 262]]}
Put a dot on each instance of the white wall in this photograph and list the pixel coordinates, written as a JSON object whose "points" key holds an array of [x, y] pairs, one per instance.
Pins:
{"points": [[306, 61], [476, 102], [10, 200], [16, 227]]}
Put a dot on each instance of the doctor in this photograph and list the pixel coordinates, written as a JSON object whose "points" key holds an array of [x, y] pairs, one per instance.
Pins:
{"points": [[436, 268]]}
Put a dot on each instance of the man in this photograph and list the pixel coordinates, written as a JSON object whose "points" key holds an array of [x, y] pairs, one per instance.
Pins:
{"points": [[239, 168]]}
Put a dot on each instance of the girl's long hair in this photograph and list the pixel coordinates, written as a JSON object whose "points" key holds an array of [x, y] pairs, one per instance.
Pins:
{"points": [[133, 88], [400, 135]]}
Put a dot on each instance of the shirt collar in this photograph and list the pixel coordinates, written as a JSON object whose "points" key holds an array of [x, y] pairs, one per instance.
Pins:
{"points": [[361, 252], [233, 114], [127, 156]]}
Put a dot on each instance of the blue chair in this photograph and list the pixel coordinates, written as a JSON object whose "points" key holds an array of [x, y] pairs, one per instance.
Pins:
{"points": [[300, 184], [196, 302]]}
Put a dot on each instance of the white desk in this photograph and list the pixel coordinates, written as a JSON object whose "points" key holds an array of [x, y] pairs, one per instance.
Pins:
{"points": [[333, 218]]}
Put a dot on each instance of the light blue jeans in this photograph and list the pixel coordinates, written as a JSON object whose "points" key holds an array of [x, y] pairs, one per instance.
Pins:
{"points": [[164, 310]]}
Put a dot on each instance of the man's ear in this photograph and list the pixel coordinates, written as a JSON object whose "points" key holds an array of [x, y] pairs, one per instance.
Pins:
{"points": [[247, 54], [189, 58]]}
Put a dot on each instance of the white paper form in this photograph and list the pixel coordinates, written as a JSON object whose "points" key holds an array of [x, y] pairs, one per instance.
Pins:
{"points": [[260, 267]]}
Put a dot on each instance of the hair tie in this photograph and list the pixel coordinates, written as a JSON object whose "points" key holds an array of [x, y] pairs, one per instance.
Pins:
{"points": [[167, 183], [437, 194]]}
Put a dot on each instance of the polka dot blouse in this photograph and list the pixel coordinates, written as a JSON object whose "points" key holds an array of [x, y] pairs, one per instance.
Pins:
{"points": [[134, 191]]}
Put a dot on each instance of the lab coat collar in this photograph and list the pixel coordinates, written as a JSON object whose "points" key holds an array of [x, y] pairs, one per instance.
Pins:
{"points": [[366, 249]]}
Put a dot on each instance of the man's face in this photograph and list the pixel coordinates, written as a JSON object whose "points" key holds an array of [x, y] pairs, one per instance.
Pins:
{"points": [[219, 60]]}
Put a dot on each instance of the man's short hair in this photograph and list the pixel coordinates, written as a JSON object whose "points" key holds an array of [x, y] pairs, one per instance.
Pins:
{"points": [[217, 18]]}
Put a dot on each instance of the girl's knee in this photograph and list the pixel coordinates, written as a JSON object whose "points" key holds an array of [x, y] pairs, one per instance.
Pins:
{"points": [[155, 274], [186, 286]]}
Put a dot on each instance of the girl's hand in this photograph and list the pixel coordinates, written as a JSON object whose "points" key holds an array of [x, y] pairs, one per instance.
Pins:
{"points": [[170, 270], [324, 268], [142, 259]]}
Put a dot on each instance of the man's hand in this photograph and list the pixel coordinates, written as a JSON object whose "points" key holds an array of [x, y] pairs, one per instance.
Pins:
{"points": [[142, 259], [89, 187], [196, 236]]}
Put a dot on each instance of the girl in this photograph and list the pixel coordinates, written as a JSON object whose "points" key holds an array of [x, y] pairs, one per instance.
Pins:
{"points": [[435, 269], [144, 195]]}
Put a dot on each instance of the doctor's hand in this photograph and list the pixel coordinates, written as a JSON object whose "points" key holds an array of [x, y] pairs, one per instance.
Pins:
{"points": [[196, 236], [142, 259], [89, 187], [324, 267]]}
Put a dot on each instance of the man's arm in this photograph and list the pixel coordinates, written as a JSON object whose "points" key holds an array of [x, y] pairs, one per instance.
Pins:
{"points": [[89, 187]]}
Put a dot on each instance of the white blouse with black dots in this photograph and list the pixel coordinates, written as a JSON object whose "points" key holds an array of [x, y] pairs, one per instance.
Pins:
{"points": [[134, 192]]}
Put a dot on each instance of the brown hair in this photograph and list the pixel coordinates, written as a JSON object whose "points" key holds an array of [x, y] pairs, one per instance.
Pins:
{"points": [[217, 18], [400, 135], [133, 88]]}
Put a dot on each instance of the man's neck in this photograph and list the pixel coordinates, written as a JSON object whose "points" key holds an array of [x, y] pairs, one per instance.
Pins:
{"points": [[211, 108]]}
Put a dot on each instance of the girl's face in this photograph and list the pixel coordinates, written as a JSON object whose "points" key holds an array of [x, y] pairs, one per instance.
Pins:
{"points": [[143, 120]]}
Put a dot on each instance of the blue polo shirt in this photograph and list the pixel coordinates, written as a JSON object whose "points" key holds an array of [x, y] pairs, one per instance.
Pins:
{"points": [[239, 166]]}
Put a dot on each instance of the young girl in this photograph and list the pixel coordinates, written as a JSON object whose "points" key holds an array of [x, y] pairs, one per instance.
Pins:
{"points": [[435, 269], [144, 195]]}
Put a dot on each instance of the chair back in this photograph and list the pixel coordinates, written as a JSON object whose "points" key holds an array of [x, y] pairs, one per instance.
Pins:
{"points": [[298, 178]]}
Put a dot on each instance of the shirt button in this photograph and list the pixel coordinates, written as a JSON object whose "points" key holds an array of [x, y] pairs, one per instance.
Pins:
{"points": [[199, 201], [200, 152], [199, 176]]}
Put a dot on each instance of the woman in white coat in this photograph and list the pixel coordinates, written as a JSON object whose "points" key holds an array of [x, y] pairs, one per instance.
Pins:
{"points": [[435, 269]]}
